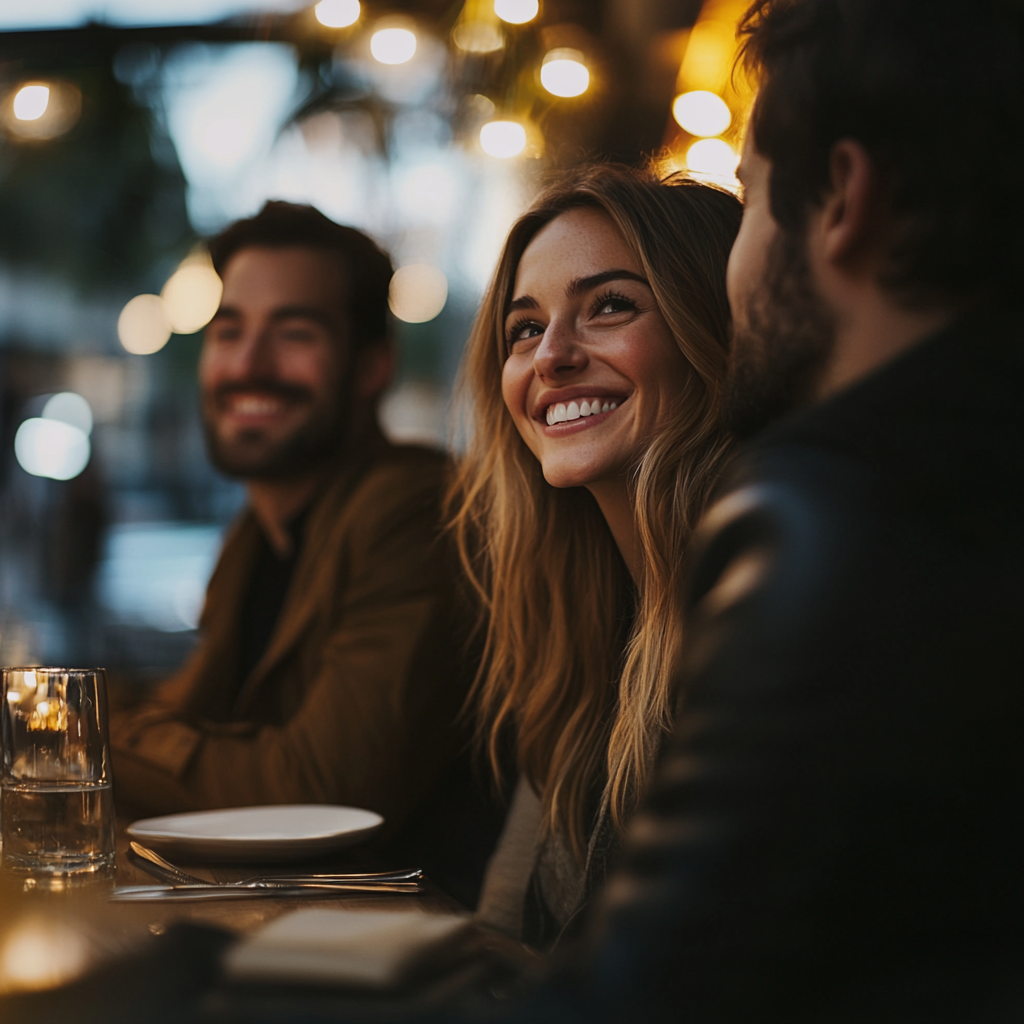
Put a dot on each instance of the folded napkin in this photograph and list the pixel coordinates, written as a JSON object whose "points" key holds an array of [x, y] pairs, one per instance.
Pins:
{"points": [[375, 949]]}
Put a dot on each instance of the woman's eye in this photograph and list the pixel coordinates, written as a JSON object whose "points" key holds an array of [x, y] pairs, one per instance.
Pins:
{"points": [[615, 304], [523, 332]]}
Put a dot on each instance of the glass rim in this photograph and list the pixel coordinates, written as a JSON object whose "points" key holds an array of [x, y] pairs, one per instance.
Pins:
{"points": [[52, 669]]}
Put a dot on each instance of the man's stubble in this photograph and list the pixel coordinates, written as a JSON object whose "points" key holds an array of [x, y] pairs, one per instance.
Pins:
{"points": [[250, 456], [781, 344]]}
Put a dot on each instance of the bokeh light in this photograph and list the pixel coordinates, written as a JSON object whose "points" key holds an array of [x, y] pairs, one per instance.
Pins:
{"points": [[418, 292], [71, 408], [477, 37], [38, 953], [51, 448], [143, 327], [701, 112], [31, 101], [712, 156], [516, 12], [337, 13], [191, 296], [503, 139], [393, 45], [564, 73], [41, 110]]}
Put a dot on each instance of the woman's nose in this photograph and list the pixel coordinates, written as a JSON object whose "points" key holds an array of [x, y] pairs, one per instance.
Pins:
{"points": [[560, 352]]}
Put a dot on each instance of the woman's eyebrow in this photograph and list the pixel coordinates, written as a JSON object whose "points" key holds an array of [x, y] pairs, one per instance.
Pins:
{"points": [[523, 302], [578, 286], [584, 284]]}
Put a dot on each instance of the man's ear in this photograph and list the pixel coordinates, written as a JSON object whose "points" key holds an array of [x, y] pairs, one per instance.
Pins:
{"points": [[375, 366], [849, 210]]}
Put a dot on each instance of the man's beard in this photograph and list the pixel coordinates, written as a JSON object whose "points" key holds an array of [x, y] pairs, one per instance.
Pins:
{"points": [[780, 352], [251, 456]]}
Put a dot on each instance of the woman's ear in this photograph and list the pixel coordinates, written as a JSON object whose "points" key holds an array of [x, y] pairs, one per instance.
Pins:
{"points": [[374, 369]]}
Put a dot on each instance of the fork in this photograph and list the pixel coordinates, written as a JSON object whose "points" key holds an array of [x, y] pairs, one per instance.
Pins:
{"points": [[152, 863]]}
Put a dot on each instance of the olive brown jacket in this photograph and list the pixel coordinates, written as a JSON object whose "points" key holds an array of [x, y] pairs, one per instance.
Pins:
{"points": [[354, 699]]}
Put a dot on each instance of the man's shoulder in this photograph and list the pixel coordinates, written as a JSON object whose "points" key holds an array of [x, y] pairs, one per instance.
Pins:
{"points": [[404, 470], [399, 492], [789, 517]]}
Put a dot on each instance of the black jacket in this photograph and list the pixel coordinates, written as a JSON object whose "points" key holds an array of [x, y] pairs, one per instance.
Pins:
{"points": [[837, 832]]}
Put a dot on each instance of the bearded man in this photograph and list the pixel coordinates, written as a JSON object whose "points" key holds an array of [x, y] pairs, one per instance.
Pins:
{"points": [[834, 832], [332, 665]]}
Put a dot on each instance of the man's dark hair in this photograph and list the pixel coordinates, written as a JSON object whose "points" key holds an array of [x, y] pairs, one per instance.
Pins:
{"points": [[281, 224], [934, 90]]}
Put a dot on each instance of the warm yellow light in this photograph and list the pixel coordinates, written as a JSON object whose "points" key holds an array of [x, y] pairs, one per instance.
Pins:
{"points": [[418, 293], [712, 157], [478, 37], [701, 112], [564, 73], [142, 326], [503, 139], [41, 110], [39, 953], [516, 12], [191, 297], [393, 45], [709, 55], [31, 101], [337, 13]]}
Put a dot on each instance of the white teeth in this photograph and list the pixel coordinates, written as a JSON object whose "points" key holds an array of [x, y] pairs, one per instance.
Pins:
{"points": [[562, 413], [252, 406]]}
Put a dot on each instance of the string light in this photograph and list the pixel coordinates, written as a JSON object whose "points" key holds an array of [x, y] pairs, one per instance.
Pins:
{"points": [[563, 73], [31, 101], [51, 448], [712, 157], [516, 12], [337, 13], [191, 296], [142, 326], [393, 45], [418, 293], [503, 139], [701, 112]]}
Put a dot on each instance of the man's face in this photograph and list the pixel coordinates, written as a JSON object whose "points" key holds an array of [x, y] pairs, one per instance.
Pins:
{"points": [[783, 333], [273, 362]]}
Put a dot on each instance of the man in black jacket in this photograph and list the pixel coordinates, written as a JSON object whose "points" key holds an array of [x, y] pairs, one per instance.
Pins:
{"points": [[835, 833]]}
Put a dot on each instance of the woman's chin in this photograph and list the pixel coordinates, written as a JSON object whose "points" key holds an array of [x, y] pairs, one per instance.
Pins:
{"points": [[561, 476]]}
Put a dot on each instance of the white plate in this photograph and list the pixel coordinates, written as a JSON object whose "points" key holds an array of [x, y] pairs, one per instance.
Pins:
{"points": [[254, 834]]}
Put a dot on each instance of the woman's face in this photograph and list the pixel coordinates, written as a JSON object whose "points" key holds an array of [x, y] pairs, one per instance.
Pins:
{"points": [[593, 372]]}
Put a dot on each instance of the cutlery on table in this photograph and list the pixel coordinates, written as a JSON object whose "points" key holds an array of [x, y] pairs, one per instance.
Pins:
{"points": [[212, 891], [404, 880]]}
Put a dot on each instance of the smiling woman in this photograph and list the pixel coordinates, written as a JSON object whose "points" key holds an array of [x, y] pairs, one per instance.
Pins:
{"points": [[593, 377]]}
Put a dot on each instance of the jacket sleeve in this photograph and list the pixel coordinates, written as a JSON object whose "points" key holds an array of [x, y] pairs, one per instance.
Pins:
{"points": [[375, 725]]}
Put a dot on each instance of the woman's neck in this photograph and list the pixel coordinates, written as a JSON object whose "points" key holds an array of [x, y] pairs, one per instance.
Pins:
{"points": [[616, 504]]}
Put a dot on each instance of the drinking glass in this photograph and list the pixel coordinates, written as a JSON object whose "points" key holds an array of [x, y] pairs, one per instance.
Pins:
{"points": [[58, 806]]}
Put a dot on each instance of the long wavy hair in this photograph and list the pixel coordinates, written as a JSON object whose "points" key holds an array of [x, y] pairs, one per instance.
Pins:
{"points": [[577, 672]]}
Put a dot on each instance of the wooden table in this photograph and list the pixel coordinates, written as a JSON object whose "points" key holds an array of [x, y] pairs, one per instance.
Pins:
{"points": [[75, 926]]}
